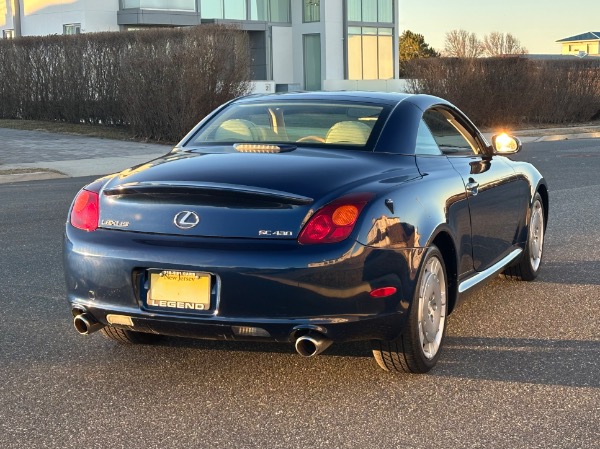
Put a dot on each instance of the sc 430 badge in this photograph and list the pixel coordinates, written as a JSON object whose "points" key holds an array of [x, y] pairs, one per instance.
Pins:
{"points": [[115, 223], [265, 233]]}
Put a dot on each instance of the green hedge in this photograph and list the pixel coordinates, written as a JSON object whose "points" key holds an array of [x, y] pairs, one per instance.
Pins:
{"points": [[513, 90], [159, 82]]}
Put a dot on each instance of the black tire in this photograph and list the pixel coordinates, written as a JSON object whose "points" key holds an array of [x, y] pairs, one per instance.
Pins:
{"points": [[407, 353], [128, 337], [528, 267]]}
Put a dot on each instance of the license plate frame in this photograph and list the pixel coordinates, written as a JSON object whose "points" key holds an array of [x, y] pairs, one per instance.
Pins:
{"points": [[179, 290]]}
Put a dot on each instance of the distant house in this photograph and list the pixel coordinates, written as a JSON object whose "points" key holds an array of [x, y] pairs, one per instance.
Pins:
{"points": [[586, 44]]}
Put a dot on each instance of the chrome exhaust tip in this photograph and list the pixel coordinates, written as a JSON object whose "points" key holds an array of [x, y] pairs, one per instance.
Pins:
{"points": [[85, 324], [312, 344]]}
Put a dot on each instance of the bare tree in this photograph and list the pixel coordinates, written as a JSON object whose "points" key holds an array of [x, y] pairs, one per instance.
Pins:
{"points": [[462, 44], [498, 44], [513, 46]]}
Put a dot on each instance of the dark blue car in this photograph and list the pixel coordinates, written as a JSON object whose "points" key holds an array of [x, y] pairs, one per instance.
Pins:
{"points": [[308, 218]]}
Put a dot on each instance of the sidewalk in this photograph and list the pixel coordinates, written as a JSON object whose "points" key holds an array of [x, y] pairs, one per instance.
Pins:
{"points": [[46, 155], [554, 134]]}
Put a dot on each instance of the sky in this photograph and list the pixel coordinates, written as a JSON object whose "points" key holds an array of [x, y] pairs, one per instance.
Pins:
{"points": [[536, 23]]}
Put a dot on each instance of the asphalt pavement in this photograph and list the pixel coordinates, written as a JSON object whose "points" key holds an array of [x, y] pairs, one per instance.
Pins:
{"points": [[520, 369]]}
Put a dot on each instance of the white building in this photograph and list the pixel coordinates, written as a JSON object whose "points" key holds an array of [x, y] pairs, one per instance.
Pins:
{"points": [[307, 44]]}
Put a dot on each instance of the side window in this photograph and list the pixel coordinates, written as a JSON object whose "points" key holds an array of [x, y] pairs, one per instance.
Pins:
{"points": [[426, 144], [448, 134]]}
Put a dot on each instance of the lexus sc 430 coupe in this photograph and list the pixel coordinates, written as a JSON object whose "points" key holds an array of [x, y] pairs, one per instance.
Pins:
{"points": [[307, 218]]}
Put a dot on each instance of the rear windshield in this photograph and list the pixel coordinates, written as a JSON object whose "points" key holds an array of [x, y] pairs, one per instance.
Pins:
{"points": [[320, 123]]}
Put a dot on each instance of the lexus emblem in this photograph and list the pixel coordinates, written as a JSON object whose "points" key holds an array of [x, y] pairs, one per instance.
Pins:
{"points": [[186, 219]]}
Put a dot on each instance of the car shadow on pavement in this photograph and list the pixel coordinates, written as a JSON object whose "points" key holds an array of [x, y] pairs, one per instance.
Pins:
{"points": [[570, 363], [352, 349], [573, 363], [571, 272]]}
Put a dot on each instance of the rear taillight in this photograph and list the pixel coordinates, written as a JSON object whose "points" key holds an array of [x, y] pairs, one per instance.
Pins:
{"points": [[333, 222], [86, 211]]}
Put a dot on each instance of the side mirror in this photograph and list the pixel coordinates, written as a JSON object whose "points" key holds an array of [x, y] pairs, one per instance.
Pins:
{"points": [[505, 144]]}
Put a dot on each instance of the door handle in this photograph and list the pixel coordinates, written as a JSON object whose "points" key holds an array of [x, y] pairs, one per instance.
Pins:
{"points": [[472, 187]]}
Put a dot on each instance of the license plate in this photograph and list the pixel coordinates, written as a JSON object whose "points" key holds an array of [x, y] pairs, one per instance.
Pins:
{"points": [[183, 290]]}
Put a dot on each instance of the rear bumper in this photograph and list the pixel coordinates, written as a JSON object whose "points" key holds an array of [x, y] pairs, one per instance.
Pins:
{"points": [[337, 329], [278, 286]]}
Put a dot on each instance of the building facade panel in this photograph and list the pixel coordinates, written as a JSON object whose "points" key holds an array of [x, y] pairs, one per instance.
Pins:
{"points": [[6, 15], [333, 42], [44, 17], [178, 5], [282, 59], [292, 42]]}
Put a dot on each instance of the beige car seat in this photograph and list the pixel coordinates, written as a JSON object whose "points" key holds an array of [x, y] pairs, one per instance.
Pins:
{"points": [[237, 130], [355, 133]]}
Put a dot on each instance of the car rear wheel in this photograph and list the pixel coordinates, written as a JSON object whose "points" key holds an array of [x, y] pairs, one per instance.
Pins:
{"points": [[418, 348], [127, 336], [528, 266]]}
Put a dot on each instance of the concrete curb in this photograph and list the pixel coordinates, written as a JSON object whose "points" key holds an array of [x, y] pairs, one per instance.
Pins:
{"points": [[89, 167], [550, 138], [34, 176], [76, 167], [594, 135]]}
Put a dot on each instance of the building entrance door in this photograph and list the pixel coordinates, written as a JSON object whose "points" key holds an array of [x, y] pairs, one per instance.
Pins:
{"points": [[312, 62]]}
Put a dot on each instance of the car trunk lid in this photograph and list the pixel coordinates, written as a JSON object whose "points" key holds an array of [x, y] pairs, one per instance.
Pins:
{"points": [[240, 195]]}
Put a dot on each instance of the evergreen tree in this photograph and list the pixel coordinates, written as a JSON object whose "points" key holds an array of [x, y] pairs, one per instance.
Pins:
{"points": [[413, 46]]}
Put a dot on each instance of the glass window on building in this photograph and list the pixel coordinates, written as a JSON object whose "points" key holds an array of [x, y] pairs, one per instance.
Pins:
{"points": [[265, 10], [355, 53], [234, 9], [354, 10], [385, 53], [280, 10], [369, 11], [311, 11], [72, 28], [370, 53], [270, 10], [211, 9], [385, 11], [174, 5], [130, 4], [8, 34], [259, 10], [372, 11]]}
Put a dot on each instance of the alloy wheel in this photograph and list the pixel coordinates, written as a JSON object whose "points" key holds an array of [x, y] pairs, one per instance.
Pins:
{"points": [[432, 307]]}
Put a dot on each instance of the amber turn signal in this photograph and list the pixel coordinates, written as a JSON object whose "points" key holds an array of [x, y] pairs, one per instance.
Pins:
{"points": [[345, 215]]}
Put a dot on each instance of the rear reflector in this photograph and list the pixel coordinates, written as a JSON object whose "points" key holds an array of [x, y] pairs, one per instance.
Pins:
{"points": [[86, 211], [123, 320], [383, 292]]}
